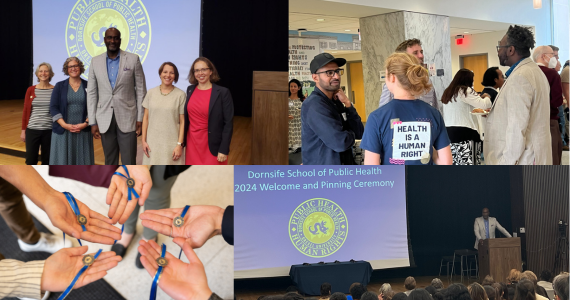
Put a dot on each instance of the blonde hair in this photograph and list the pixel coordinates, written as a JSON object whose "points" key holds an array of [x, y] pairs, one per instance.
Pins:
{"points": [[413, 77], [51, 74], [514, 276]]}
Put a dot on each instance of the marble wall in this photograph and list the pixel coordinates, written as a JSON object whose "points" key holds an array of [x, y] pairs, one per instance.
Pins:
{"points": [[381, 35]]}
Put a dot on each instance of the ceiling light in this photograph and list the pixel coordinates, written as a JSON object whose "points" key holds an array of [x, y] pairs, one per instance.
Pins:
{"points": [[537, 4], [347, 30], [320, 20]]}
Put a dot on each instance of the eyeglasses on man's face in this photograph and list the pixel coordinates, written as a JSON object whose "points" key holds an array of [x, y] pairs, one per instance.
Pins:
{"points": [[330, 73]]}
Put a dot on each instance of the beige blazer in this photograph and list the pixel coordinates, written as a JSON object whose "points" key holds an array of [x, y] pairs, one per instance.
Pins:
{"points": [[479, 229], [517, 131]]}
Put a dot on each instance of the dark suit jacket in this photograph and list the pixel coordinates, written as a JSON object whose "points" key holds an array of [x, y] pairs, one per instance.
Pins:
{"points": [[58, 104], [220, 119]]}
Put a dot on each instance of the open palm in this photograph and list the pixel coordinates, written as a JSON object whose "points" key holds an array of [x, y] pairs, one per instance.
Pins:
{"points": [[201, 222], [99, 228], [63, 266], [117, 195], [179, 280]]}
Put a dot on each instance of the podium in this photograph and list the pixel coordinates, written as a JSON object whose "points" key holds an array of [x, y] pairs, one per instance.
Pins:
{"points": [[498, 256]]}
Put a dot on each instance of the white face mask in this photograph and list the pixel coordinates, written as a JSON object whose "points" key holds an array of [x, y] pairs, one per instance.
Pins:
{"points": [[552, 62]]}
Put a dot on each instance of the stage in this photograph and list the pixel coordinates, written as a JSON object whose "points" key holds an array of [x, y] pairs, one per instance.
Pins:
{"points": [[12, 150]]}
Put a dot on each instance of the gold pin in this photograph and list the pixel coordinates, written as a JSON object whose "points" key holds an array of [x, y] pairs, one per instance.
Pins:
{"points": [[82, 219], [161, 261], [130, 182], [88, 260], [178, 221]]}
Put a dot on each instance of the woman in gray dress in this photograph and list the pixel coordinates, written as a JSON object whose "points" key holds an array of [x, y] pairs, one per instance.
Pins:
{"points": [[71, 142]]}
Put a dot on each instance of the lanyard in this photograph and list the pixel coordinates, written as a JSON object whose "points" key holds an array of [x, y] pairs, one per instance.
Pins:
{"points": [[130, 191], [88, 260], [81, 219], [162, 262], [179, 222]]}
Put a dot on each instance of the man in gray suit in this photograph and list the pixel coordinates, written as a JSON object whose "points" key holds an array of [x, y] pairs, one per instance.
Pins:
{"points": [[518, 127], [413, 47], [485, 228], [115, 94]]}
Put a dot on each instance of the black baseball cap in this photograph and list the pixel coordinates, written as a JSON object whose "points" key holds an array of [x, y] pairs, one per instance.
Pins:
{"points": [[323, 59]]}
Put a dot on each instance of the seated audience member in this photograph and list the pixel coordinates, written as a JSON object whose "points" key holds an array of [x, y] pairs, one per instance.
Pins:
{"points": [[511, 290], [338, 296], [291, 289], [431, 290], [492, 80], [325, 290], [477, 292], [369, 296], [540, 292], [560, 284], [349, 297], [524, 290], [545, 277], [292, 296], [504, 291], [419, 294], [457, 291], [491, 292], [400, 296], [514, 277], [499, 289], [439, 295], [488, 280], [437, 283], [385, 292], [357, 291], [410, 285]]}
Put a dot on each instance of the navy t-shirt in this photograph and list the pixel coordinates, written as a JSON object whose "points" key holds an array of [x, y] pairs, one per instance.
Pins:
{"points": [[405, 132]]}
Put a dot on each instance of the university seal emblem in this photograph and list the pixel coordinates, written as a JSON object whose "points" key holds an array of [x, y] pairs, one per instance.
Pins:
{"points": [[318, 227], [89, 19]]}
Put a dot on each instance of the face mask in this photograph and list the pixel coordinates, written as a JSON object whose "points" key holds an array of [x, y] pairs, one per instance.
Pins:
{"points": [[552, 62]]}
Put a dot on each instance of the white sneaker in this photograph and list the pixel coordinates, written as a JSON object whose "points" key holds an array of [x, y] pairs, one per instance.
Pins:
{"points": [[47, 243], [44, 298]]}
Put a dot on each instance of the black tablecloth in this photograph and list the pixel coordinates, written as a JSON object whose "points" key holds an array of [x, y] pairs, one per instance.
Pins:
{"points": [[308, 279]]}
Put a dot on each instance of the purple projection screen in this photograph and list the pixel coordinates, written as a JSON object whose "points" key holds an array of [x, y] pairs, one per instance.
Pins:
{"points": [[287, 215]]}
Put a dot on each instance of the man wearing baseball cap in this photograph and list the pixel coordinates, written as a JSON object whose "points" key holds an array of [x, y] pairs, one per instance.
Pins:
{"points": [[329, 121]]}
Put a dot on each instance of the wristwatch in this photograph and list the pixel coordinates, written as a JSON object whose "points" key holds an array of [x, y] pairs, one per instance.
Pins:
{"points": [[179, 143]]}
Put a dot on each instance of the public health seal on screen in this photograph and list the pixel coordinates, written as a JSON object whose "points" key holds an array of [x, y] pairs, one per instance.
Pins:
{"points": [[318, 227], [89, 19]]}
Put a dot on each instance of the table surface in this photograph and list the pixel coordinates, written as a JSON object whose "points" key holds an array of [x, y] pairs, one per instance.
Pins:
{"points": [[308, 278]]}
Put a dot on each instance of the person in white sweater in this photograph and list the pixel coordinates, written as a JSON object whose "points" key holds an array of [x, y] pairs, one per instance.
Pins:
{"points": [[463, 128]]}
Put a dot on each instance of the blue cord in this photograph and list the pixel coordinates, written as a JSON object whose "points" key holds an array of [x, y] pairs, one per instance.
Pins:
{"points": [[70, 287], [182, 216], [130, 192], [75, 209], [157, 276]]}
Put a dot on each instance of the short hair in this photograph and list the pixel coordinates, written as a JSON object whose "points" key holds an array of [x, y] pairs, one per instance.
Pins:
{"points": [[530, 276], [490, 76], [419, 294], [400, 296], [437, 283], [566, 64], [457, 291], [477, 291], [412, 76], [410, 283], [524, 290], [369, 296], [431, 289], [51, 74], [545, 275], [357, 291], [488, 280], [113, 28], [173, 66], [560, 285], [386, 291], [338, 296], [514, 276], [554, 48], [215, 77], [491, 292], [439, 295], [70, 59], [325, 289], [407, 44], [291, 288], [538, 52], [521, 38]]}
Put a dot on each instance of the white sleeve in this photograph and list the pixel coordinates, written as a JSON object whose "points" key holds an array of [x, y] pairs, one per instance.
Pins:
{"points": [[474, 100]]}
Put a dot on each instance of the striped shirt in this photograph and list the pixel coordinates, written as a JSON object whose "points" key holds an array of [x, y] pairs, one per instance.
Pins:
{"points": [[19, 279], [40, 118]]}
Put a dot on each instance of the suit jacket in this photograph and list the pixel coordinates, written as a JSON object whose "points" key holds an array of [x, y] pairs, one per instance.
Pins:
{"points": [[518, 128], [220, 119], [58, 105], [479, 228], [125, 100]]}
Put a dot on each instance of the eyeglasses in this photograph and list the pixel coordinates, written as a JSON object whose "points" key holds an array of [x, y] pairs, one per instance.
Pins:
{"points": [[499, 47], [73, 67], [196, 71], [330, 73]]}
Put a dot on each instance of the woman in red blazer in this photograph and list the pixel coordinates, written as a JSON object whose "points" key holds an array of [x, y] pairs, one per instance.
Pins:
{"points": [[36, 119]]}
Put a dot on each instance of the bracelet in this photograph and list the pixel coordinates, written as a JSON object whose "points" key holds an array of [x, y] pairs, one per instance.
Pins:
{"points": [[81, 219], [88, 260]]}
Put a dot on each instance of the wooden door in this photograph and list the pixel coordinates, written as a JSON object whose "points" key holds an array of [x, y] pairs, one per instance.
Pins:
{"points": [[478, 64], [357, 88]]}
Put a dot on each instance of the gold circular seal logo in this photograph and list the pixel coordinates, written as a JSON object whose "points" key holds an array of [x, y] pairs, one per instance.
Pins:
{"points": [[318, 227], [88, 260], [161, 261], [81, 219], [178, 221], [89, 19]]}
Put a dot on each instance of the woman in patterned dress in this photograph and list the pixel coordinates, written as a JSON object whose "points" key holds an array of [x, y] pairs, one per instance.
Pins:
{"points": [[71, 141], [296, 99]]}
